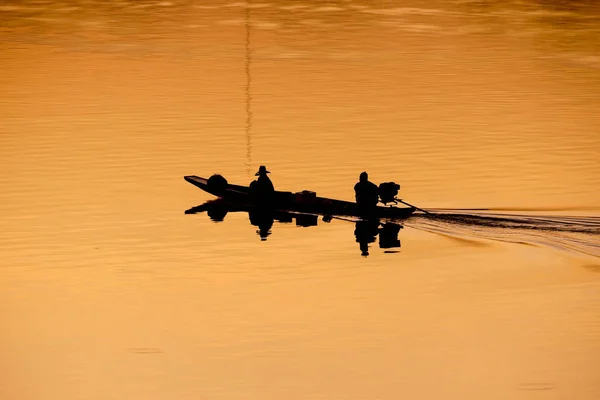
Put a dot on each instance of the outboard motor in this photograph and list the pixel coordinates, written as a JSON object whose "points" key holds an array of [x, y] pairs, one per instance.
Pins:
{"points": [[388, 192]]}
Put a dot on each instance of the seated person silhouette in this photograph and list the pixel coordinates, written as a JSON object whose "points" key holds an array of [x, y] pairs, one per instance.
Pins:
{"points": [[262, 188], [367, 195]]}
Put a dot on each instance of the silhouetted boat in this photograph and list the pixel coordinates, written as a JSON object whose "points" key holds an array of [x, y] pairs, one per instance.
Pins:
{"points": [[304, 202]]}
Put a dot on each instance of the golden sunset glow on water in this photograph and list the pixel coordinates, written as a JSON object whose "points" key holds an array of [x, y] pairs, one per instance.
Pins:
{"points": [[485, 112]]}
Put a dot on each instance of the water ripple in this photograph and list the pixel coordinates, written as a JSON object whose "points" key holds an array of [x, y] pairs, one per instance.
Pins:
{"points": [[578, 234]]}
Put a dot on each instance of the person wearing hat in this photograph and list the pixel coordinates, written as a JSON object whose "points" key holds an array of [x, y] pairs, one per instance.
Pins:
{"points": [[262, 186], [367, 194]]}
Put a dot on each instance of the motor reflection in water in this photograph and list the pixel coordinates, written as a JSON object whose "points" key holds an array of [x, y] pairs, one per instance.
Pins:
{"points": [[365, 232]]}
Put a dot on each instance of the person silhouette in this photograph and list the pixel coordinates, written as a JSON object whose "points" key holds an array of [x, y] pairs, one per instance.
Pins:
{"points": [[263, 184], [366, 194], [262, 188]]}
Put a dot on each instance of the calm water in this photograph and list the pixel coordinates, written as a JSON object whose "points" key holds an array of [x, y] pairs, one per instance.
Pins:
{"points": [[109, 291]]}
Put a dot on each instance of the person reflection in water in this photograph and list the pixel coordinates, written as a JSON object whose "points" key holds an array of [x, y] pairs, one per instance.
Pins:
{"points": [[366, 193], [365, 233], [262, 187], [264, 222]]}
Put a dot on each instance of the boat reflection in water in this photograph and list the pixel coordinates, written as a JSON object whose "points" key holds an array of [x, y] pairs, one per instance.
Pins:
{"points": [[366, 231]]}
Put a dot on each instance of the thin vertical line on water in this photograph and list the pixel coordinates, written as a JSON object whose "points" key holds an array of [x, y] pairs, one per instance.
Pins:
{"points": [[248, 94]]}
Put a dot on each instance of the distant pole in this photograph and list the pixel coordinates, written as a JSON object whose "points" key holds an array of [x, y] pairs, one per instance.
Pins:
{"points": [[248, 93]]}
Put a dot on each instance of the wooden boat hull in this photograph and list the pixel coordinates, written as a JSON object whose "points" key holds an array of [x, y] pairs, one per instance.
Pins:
{"points": [[288, 201]]}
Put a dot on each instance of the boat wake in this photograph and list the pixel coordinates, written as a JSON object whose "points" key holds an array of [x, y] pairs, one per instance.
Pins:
{"points": [[578, 234]]}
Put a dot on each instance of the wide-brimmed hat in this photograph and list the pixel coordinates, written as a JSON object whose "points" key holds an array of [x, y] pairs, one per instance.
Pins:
{"points": [[262, 170]]}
